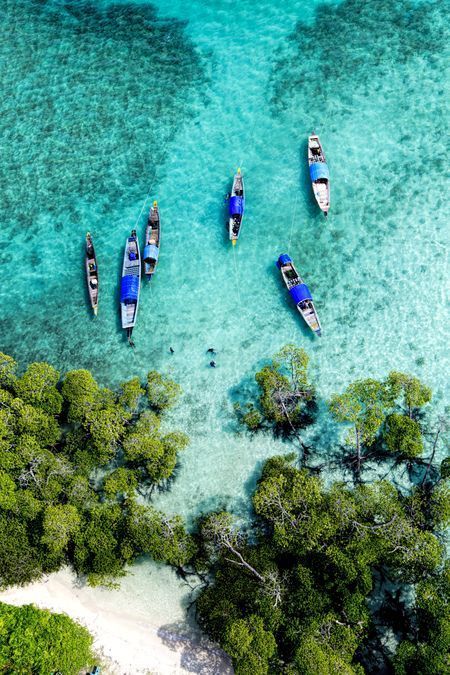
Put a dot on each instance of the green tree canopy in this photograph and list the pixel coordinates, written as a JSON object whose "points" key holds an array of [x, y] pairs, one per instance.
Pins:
{"points": [[61, 522], [284, 390], [162, 392], [363, 405], [8, 368], [36, 641], [429, 651], [250, 645], [131, 393], [413, 392], [306, 566], [73, 458], [80, 391], [403, 436], [37, 386]]}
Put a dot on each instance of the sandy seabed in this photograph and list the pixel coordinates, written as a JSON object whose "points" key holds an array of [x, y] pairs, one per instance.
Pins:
{"points": [[126, 639]]}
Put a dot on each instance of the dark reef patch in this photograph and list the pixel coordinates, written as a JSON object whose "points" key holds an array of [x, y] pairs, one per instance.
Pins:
{"points": [[351, 48], [368, 77], [92, 96]]}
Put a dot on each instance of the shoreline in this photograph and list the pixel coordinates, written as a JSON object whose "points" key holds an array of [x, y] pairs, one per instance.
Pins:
{"points": [[128, 641]]}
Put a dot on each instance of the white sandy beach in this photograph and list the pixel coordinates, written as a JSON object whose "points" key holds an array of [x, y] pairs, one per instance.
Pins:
{"points": [[124, 633]]}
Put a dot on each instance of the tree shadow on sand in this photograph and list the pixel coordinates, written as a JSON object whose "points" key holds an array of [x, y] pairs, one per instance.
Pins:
{"points": [[197, 653]]}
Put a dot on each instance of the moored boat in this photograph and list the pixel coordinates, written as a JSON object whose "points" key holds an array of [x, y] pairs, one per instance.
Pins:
{"points": [[319, 173], [91, 273], [130, 284], [152, 241], [236, 207], [299, 292]]}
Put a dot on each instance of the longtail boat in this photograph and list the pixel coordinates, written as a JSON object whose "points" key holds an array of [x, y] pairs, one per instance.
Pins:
{"points": [[130, 284], [152, 241], [299, 292], [319, 173], [236, 207], [91, 273]]}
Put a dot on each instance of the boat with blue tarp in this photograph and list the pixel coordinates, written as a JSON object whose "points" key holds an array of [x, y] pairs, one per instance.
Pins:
{"points": [[299, 292], [319, 173], [130, 284], [236, 207], [152, 241]]}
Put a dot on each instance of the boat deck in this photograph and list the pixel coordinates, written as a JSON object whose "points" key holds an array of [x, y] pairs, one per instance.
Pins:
{"points": [[131, 268], [309, 313], [131, 264], [128, 314], [321, 193], [238, 187], [153, 236]]}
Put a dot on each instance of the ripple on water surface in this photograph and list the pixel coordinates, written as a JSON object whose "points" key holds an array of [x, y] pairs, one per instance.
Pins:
{"points": [[109, 99]]}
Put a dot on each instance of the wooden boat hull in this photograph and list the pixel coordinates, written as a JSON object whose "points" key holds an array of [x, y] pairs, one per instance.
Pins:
{"points": [[311, 319], [236, 207], [299, 293], [91, 273], [322, 197], [130, 283], [152, 241], [319, 173]]}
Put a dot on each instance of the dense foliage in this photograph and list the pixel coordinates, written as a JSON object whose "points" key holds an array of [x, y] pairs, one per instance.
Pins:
{"points": [[389, 407], [427, 646], [73, 458], [379, 415], [35, 641], [313, 584], [290, 594], [286, 396]]}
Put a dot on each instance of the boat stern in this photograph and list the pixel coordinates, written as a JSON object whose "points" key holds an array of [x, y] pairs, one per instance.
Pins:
{"points": [[283, 259]]}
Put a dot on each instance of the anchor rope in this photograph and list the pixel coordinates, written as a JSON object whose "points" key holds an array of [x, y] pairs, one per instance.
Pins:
{"points": [[238, 283], [145, 200], [294, 213]]}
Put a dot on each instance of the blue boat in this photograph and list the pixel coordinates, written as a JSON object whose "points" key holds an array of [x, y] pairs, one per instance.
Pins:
{"points": [[236, 207], [130, 284], [152, 241], [299, 292], [319, 173]]}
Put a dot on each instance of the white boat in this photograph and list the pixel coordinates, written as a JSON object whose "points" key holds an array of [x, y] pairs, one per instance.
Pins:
{"points": [[319, 173], [91, 273], [236, 207], [130, 284], [152, 241], [299, 292]]}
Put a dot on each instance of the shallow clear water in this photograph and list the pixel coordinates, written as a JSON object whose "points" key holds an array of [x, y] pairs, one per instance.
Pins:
{"points": [[109, 102]]}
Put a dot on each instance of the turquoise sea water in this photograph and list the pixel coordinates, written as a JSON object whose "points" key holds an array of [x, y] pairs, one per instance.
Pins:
{"points": [[107, 104]]}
